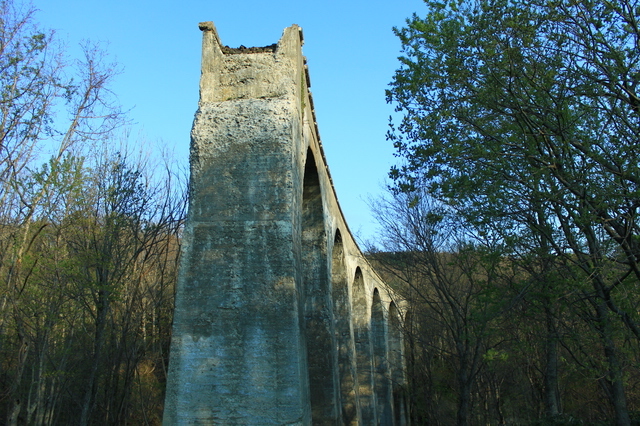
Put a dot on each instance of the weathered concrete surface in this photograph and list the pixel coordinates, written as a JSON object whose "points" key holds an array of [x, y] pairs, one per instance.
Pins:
{"points": [[278, 319]]}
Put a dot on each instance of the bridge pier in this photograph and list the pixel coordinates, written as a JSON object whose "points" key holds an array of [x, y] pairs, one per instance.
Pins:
{"points": [[278, 319]]}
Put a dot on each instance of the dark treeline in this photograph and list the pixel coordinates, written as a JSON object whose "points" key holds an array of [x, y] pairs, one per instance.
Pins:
{"points": [[89, 241], [492, 338]]}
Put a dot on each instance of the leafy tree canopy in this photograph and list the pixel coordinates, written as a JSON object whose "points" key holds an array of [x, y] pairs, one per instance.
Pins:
{"points": [[523, 117], [526, 114]]}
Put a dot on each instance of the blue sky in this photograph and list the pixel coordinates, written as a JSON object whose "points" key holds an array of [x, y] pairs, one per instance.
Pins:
{"points": [[351, 52]]}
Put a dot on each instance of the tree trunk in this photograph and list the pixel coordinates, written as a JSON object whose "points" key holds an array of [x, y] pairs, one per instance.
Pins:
{"points": [[16, 402], [552, 398], [464, 396], [616, 386], [101, 321]]}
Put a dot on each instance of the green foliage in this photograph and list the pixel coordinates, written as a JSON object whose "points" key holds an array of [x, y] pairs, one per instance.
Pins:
{"points": [[89, 242], [521, 119], [511, 107]]}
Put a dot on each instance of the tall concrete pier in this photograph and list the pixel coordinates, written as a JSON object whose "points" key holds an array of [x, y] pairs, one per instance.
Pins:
{"points": [[279, 319]]}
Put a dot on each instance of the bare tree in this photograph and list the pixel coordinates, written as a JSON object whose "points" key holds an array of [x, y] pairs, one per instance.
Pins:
{"points": [[450, 281]]}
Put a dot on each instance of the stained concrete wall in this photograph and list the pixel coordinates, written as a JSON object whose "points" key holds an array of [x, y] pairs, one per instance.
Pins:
{"points": [[278, 319]]}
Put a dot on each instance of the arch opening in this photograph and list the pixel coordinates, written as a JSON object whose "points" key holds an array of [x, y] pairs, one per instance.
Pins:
{"points": [[381, 378], [396, 369], [344, 334], [319, 334], [364, 354]]}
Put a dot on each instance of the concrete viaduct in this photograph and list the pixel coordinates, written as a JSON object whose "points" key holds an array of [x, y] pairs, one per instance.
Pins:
{"points": [[279, 319]]}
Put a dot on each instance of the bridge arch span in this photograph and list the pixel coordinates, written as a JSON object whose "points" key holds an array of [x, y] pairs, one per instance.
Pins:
{"points": [[279, 318]]}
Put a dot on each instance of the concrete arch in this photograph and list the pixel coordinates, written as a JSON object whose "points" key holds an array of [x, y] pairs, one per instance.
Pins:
{"points": [[380, 363], [319, 332], [364, 351], [344, 333], [396, 364]]}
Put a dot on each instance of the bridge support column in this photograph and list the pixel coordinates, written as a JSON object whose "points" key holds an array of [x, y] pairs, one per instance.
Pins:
{"points": [[238, 352], [273, 320]]}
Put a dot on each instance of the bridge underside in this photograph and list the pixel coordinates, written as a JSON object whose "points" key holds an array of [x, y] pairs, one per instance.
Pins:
{"points": [[279, 319]]}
